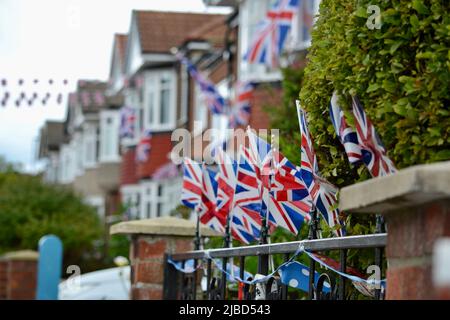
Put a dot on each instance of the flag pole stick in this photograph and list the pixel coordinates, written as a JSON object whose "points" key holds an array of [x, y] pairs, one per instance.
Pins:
{"points": [[313, 228]]}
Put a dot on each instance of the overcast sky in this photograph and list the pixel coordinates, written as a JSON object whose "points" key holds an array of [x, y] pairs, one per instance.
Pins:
{"points": [[57, 39]]}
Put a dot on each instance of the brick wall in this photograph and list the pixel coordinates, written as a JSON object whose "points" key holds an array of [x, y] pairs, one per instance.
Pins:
{"points": [[128, 173], [411, 239], [415, 203], [18, 275], [159, 155], [147, 263]]}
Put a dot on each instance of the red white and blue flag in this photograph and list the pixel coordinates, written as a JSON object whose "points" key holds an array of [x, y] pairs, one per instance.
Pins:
{"points": [[240, 222], [127, 122], [214, 100], [346, 134], [322, 192], [247, 198], [372, 149], [272, 32], [191, 192], [207, 207], [240, 114], [144, 146], [288, 211]]}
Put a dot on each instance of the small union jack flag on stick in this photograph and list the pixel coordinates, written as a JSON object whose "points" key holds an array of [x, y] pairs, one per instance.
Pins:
{"points": [[207, 207], [346, 134], [323, 193], [240, 219], [191, 193], [372, 149]]}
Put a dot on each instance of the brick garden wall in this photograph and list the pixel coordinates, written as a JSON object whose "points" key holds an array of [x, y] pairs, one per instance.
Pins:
{"points": [[147, 263]]}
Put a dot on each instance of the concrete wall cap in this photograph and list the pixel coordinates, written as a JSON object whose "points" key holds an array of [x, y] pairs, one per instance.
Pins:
{"points": [[21, 255], [170, 226], [409, 187]]}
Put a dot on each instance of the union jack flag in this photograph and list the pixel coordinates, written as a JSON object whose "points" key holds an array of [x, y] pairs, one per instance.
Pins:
{"points": [[286, 211], [215, 102], [207, 207], [144, 146], [372, 149], [272, 32], [247, 197], [127, 122], [240, 114], [344, 132], [322, 192], [191, 192], [239, 220]]}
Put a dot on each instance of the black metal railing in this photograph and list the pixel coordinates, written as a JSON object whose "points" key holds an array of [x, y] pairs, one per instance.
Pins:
{"points": [[182, 285]]}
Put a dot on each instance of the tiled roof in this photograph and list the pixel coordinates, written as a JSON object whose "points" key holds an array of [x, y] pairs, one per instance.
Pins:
{"points": [[120, 41], [160, 31], [213, 31]]}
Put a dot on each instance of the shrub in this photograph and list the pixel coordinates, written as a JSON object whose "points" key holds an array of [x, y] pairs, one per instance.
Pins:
{"points": [[400, 73]]}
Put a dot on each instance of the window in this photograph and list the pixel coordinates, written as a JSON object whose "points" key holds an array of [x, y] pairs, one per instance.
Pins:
{"points": [[109, 136], [131, 200], [220, 121], [200, 111], [160, 103], [89, 142], [251, 14], [159, 198]]}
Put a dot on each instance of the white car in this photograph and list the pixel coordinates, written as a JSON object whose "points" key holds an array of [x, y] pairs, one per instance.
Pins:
{"points": [[107, 284]]}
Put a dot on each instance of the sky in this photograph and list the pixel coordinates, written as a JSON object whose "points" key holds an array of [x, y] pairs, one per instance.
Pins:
{"points": [[58, 40]]}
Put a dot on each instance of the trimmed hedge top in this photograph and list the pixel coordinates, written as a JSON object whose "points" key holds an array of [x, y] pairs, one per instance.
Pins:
{"points": [[401, 73]]}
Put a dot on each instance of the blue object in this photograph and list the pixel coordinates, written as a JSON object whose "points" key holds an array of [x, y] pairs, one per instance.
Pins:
{"points": [[296, 275], [49, 267]]}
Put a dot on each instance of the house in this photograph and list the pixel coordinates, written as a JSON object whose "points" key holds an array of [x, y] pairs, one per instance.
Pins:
{"points": [[51, 137], [151, 86]]}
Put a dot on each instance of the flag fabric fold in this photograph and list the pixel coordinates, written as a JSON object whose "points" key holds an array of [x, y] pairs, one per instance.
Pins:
{"points": [[323, 193], [346, 134], [372, 150], [272, 33]]}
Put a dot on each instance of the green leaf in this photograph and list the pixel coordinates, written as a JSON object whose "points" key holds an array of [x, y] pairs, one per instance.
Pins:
{"points": [[395, 46], [420, 7]]}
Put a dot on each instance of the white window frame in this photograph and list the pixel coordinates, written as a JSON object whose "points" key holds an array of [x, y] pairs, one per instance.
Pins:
{"points": [[131, 196], [109, 134], [200, 111], [184, 83], [89, 147], [168, 200], [153, 86]]}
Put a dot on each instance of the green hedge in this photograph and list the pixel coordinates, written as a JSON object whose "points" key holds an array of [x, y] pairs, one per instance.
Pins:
{"points": [[400, 72]]}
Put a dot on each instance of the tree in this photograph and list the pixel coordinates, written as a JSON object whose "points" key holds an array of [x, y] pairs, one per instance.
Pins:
{"points": [[30, 209]]}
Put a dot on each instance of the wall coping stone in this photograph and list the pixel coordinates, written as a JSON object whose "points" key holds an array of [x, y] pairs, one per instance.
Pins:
{"points": [[409, 187], [169, 226], [21, 255]]}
